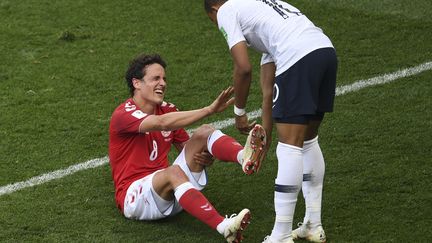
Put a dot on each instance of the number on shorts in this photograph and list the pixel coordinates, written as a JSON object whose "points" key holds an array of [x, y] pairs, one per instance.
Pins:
{"points": [[275, 94]]}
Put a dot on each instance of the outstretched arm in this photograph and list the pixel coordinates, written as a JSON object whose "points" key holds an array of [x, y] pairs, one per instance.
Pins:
{"points": [[175, 120], [242, 80]]}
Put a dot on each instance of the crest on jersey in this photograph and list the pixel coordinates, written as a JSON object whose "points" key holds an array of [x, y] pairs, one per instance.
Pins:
{"points": [[165, 134], [139, 114]]}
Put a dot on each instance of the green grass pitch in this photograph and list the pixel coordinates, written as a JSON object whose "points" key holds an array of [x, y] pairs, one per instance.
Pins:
{"points": [[61, 75]]}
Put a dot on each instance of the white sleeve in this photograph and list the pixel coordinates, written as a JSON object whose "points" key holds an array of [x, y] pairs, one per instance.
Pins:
{"points": [[229, 26], [266, 58]]}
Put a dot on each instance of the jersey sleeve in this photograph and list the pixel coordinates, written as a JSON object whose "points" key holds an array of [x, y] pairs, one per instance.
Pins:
{"points": [[266, 58], [124, 121], [229, 26]]}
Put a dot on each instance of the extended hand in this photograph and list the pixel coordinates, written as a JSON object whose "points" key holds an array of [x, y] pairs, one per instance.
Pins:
{"points": [[222, 101], [204, 158], [243, 125]]}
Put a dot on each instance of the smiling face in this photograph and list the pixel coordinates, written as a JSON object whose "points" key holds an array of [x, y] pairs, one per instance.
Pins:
{"points": [[150, 90]]}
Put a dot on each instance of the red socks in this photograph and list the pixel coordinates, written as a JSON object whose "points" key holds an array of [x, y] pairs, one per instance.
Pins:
{"points": [[226, 148], [194, 202]]}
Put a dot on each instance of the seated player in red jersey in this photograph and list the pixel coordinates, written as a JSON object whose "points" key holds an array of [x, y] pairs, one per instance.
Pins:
{"points": [[142, 130]]}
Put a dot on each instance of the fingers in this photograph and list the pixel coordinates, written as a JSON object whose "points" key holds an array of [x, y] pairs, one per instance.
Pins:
{"points": [[204, 158], [230, 101], [243, 125], [230, 90], [227, 92], [223, 100], [243, 131], [247, 129]]}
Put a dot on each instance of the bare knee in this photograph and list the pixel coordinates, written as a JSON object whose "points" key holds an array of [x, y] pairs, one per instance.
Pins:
{"points": [[203, 132], [165, 182]]}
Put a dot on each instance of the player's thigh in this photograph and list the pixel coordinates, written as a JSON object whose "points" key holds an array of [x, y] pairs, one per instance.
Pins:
{"points": [[292, 134], [313, 126], [140, 203]]}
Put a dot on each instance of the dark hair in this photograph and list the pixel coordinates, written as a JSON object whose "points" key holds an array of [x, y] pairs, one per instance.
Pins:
{"points": [[208, 4], [137, 68]]}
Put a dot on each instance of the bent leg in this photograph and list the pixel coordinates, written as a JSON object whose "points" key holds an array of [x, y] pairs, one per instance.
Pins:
{"points": [[220, 145], [206, 138], [197, 144], [152, 197], [173, 183], [226, 148]]}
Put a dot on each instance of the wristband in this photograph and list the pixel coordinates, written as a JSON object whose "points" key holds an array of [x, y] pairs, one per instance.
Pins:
{"points": [[238, 111]]}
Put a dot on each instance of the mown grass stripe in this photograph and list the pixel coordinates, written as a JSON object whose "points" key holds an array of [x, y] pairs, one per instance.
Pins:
{"points": [[356, 86]]}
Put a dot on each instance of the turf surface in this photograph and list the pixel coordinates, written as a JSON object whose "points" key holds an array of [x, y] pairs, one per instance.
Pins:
{"points": [[61, 77]]}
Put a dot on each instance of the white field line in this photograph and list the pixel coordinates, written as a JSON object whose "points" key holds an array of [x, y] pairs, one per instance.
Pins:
{"points": [[361, 84], [382, 79]]}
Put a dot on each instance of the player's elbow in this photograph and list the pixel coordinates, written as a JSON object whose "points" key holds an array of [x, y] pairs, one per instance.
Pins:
{"points": [[153, 123], [244, 70], [164, 124]]}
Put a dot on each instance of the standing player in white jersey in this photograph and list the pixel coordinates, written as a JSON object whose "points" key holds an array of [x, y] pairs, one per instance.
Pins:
{"points": [[142, 131], [298, 81]]}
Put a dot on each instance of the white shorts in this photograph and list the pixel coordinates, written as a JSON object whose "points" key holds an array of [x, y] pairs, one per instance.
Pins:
{"points": [[143, 203]]}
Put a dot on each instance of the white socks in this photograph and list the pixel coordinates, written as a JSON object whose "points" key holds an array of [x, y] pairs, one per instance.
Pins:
{"points": [[294, 166], [182, 189], [212, 139], [240, 157], [288, 183], [313, 176]]}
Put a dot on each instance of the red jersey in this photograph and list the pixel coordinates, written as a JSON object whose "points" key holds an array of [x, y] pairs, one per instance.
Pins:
{"points": [[134, 155]]}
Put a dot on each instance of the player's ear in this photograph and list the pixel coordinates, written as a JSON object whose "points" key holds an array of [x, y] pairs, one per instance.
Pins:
{"points": [[136, 82], [213, 14]]}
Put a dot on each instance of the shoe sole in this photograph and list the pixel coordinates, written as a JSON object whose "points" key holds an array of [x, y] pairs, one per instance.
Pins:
{"points": [[243, 225], [257, 143]]}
